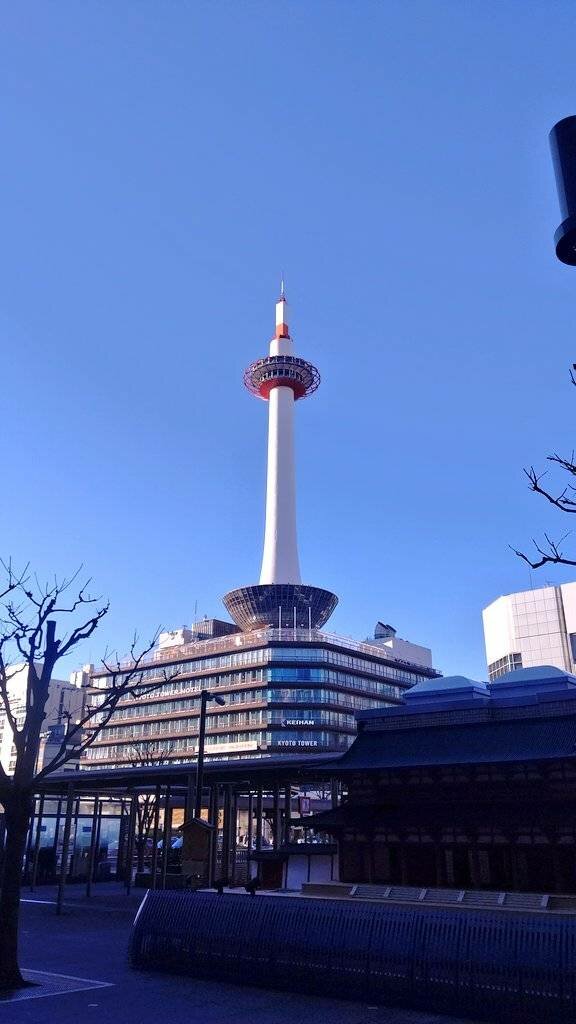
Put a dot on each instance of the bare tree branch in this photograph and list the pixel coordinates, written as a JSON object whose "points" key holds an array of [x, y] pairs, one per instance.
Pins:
{"points": [[564, 500], [552, 556], [98, 715]]}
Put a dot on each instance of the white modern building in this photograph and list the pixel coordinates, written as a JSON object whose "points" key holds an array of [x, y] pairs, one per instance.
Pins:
{"points": [[385, 636], [64, 699], [532, 627]]}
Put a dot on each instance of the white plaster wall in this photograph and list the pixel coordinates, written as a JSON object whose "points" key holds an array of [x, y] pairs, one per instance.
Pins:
{"points": [[568, 591], [322, 868], [499, 636], [409, 652]]}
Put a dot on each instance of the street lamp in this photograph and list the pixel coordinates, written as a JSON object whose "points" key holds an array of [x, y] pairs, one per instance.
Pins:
{"points": [[205, 696]]}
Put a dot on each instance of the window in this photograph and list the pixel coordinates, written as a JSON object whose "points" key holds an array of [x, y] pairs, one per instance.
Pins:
{"points": [[507, 664]]}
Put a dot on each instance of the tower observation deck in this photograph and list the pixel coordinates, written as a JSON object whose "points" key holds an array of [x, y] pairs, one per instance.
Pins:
{"points": [[280, 599]]}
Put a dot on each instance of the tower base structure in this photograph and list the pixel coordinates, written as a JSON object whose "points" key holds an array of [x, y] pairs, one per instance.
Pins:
{"points": [[280, 606]]}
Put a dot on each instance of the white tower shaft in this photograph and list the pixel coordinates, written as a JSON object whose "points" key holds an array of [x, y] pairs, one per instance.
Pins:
{"points": [[280, 562]]}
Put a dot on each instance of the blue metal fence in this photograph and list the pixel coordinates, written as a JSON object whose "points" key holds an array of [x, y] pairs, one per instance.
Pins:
{"points": [[498, 965]]}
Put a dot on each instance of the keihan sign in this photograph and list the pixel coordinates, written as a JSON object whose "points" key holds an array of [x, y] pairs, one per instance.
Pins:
{"points": [[298, 721]]}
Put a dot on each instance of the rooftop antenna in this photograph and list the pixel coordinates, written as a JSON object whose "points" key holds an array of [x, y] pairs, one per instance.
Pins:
{"points": [[195, 611], [282, 296]]}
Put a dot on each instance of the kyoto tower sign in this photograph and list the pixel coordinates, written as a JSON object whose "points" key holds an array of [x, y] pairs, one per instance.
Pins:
{"points": [[280, 599]]}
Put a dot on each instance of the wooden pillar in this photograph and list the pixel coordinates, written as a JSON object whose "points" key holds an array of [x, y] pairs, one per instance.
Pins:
{"points": [[166, 832], [92, 850], [157, 798], [65, 846], [403, 862], [515, 869], [474, 867], [370, 857], [557, 866], [440, 864], [37, 844]]}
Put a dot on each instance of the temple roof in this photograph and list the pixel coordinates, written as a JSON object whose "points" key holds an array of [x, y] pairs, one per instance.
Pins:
{"points": [[471, 743]]}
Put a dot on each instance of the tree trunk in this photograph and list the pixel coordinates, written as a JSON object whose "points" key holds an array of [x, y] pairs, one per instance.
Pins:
{"points": [[17, 818]]}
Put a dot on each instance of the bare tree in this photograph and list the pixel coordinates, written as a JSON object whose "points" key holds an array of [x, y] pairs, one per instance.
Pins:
{"points": [[29, 616], [549, 551], [146, 753]]}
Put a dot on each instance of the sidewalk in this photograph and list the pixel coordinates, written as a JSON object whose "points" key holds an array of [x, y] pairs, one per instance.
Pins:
{"points": [[89, 941]]}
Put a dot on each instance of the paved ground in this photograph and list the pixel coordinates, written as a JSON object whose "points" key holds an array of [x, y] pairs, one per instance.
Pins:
{"points": [[89, 942]]}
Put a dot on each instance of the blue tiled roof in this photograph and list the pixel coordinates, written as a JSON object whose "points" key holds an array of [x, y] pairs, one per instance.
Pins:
{"points": [[456, 693], [474, 743]]}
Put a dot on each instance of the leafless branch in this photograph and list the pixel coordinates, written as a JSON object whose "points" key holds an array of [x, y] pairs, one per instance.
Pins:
{"points": [[550, 556], [561, 501], [550, 552]]}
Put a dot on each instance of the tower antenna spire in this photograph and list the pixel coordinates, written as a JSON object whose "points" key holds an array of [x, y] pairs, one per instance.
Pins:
{"points": [[280, 600]]}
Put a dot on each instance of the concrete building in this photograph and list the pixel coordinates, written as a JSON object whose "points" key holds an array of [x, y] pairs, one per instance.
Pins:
{"points": [[288, 686], [530, 628], [385, 637], [64, 698]]}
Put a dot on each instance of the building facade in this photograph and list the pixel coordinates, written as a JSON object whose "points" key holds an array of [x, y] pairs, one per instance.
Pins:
{"points": [[530, 628], [64, 699], [285, 691]]}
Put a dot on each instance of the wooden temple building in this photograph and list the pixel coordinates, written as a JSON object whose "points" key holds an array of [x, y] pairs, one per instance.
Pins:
{"points": [[464, 786]]}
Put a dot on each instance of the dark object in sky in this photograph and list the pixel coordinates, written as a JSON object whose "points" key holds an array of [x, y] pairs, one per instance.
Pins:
{"points": [[563, 146]]}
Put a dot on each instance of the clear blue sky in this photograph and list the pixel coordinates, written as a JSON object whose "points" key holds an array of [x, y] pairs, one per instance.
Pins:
{"points": [[162, 163]]}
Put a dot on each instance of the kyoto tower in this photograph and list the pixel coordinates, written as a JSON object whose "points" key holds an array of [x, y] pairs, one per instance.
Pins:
{"points": [[281, 600]]}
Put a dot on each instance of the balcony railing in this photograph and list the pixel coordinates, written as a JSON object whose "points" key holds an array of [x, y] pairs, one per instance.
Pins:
{"points": [[258, 637]]}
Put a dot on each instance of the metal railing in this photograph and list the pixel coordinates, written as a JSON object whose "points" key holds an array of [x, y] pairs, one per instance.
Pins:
{"points": [[490, 963], [246, 641]]}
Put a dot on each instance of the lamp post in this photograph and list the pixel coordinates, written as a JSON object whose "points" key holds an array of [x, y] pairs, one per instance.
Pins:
{"points": [[205, 696]]}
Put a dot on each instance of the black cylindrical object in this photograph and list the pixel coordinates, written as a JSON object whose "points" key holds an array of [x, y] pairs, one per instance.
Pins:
{"points": [[563, 146]]}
